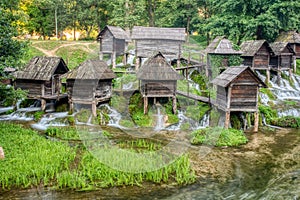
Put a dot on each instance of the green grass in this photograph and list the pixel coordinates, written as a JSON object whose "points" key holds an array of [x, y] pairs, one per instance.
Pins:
{"points": [[29, 158], [65, 133], [218, 136], [32, 160], [49, 44]]}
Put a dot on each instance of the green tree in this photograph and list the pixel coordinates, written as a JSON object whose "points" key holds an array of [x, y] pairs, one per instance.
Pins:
{"points": [[11, 50], [260, 19]]}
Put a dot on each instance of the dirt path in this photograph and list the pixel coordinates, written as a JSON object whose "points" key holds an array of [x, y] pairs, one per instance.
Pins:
{"points": [[53, 52]]}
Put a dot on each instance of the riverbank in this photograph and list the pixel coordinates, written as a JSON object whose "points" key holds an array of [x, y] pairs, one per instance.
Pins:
{"points": [[249, 169]]}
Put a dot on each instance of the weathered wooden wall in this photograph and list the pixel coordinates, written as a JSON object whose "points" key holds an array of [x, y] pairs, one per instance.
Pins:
{"points": [[243, 97], [146, 48], [159, 89], [33, 87], [222, 97], [107, 43]]}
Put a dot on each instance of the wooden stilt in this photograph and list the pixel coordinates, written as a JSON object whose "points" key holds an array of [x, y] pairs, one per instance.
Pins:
{"points": [[154, 101], [137, 63], [256, 118], [227, 119], [268, 77], [71, 109], [125, 59], [145, 105], [101, 55], [278, 76], [43, 104], [295, 64], [113, 59], [174, 105], [94, 109]]}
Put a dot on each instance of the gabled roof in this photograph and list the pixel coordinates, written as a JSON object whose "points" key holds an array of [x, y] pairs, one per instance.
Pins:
{"points": [[278, 47], [141, 32], [116, 31], [291, 37], [157, 68], [231, 73], [251, 47], [221, 45], [90, 70], [42, 68]]}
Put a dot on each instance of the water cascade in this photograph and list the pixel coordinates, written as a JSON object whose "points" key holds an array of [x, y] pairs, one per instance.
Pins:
{"points": [[159, 119], [51, 119]]}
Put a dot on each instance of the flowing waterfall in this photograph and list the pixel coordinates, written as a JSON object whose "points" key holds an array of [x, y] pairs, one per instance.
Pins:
{"points": [[159, 120], [51, 119]]}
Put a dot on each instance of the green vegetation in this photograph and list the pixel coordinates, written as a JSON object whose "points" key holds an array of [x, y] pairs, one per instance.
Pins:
{"points": [[125, 79], [218, 136], [287, 121], [196, 112], [136, 110], [38, 115], [32, 160], [64, 133], [120, 103], [10, 96], [267, 112], [268, 92], [29, 158]]}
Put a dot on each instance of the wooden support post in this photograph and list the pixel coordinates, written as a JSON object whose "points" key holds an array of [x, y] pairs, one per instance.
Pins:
{"points": [[295, 64], [94, 108], [43, 104], [113, 59], [71, 109], [268, 77], [1, 153], [154, 101], [174, 105], [290, 74], [179, 56], [125, 57], [278, 76], [256, 119], [145, 105], [227, 119], [101, 55]]}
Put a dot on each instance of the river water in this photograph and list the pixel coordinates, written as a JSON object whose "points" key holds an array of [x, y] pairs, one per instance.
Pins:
{"points": [[267, 167]]}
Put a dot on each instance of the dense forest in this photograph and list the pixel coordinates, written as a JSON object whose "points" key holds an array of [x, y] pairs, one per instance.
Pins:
{"points": [[238, 20]]}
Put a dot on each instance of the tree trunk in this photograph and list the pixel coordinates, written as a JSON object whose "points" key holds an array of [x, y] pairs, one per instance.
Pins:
{"points": [[151, 14]]}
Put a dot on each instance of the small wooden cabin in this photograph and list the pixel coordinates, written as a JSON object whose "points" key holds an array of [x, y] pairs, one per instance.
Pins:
{"points": [[41, 77], [158, 79], [90, 83], [113, 41], [237, 91], [282, 60], [293, 38], [222, 47], [149, 40], [256, 54]]}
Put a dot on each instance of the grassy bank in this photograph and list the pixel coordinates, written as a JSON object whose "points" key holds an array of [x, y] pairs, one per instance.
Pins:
{"points": [[32, 160]]}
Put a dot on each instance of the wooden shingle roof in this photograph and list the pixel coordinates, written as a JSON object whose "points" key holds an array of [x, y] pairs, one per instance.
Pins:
{"points": [[221, 45], [155, 33], [157, 68], [251, 47], [42, 68], [90, 70], [231, 73], [278, 47], [290, 36], [116, 31]]}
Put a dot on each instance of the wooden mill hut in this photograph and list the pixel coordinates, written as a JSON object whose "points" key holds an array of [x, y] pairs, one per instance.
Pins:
{"points": [[113, 41], [237, 91], [256, 54], [158, 79], [149, 40], [293, 38], [282, 59], [41, 77], [223, 48], [90, 83]]}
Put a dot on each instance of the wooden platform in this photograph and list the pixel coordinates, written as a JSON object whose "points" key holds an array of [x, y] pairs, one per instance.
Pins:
{"points": [[194, 97]]}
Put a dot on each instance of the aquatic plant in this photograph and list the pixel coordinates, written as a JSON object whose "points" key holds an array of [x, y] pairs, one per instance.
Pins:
{"points": [[218, 136], [286, 121], [30, 158], [65, 133]]}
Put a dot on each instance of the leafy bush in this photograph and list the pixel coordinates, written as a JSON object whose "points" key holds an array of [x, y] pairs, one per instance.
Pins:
{"points": [[218, 136], [287, 121], [268, 113], [10, 96]]}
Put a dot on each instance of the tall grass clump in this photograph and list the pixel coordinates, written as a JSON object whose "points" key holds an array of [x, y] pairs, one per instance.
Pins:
{"points": [[218, 136], [30, 159]]}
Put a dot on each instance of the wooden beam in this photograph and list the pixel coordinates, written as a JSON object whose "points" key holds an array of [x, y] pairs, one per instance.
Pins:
{"points": [[145, 105], [174, 105], [227, 119], [256, 119], [94, 109], [43, 104]]}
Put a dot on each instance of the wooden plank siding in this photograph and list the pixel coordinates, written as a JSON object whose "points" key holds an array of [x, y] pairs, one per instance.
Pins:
{"points": [[34, 88], [158, 89], [146, 48]]}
